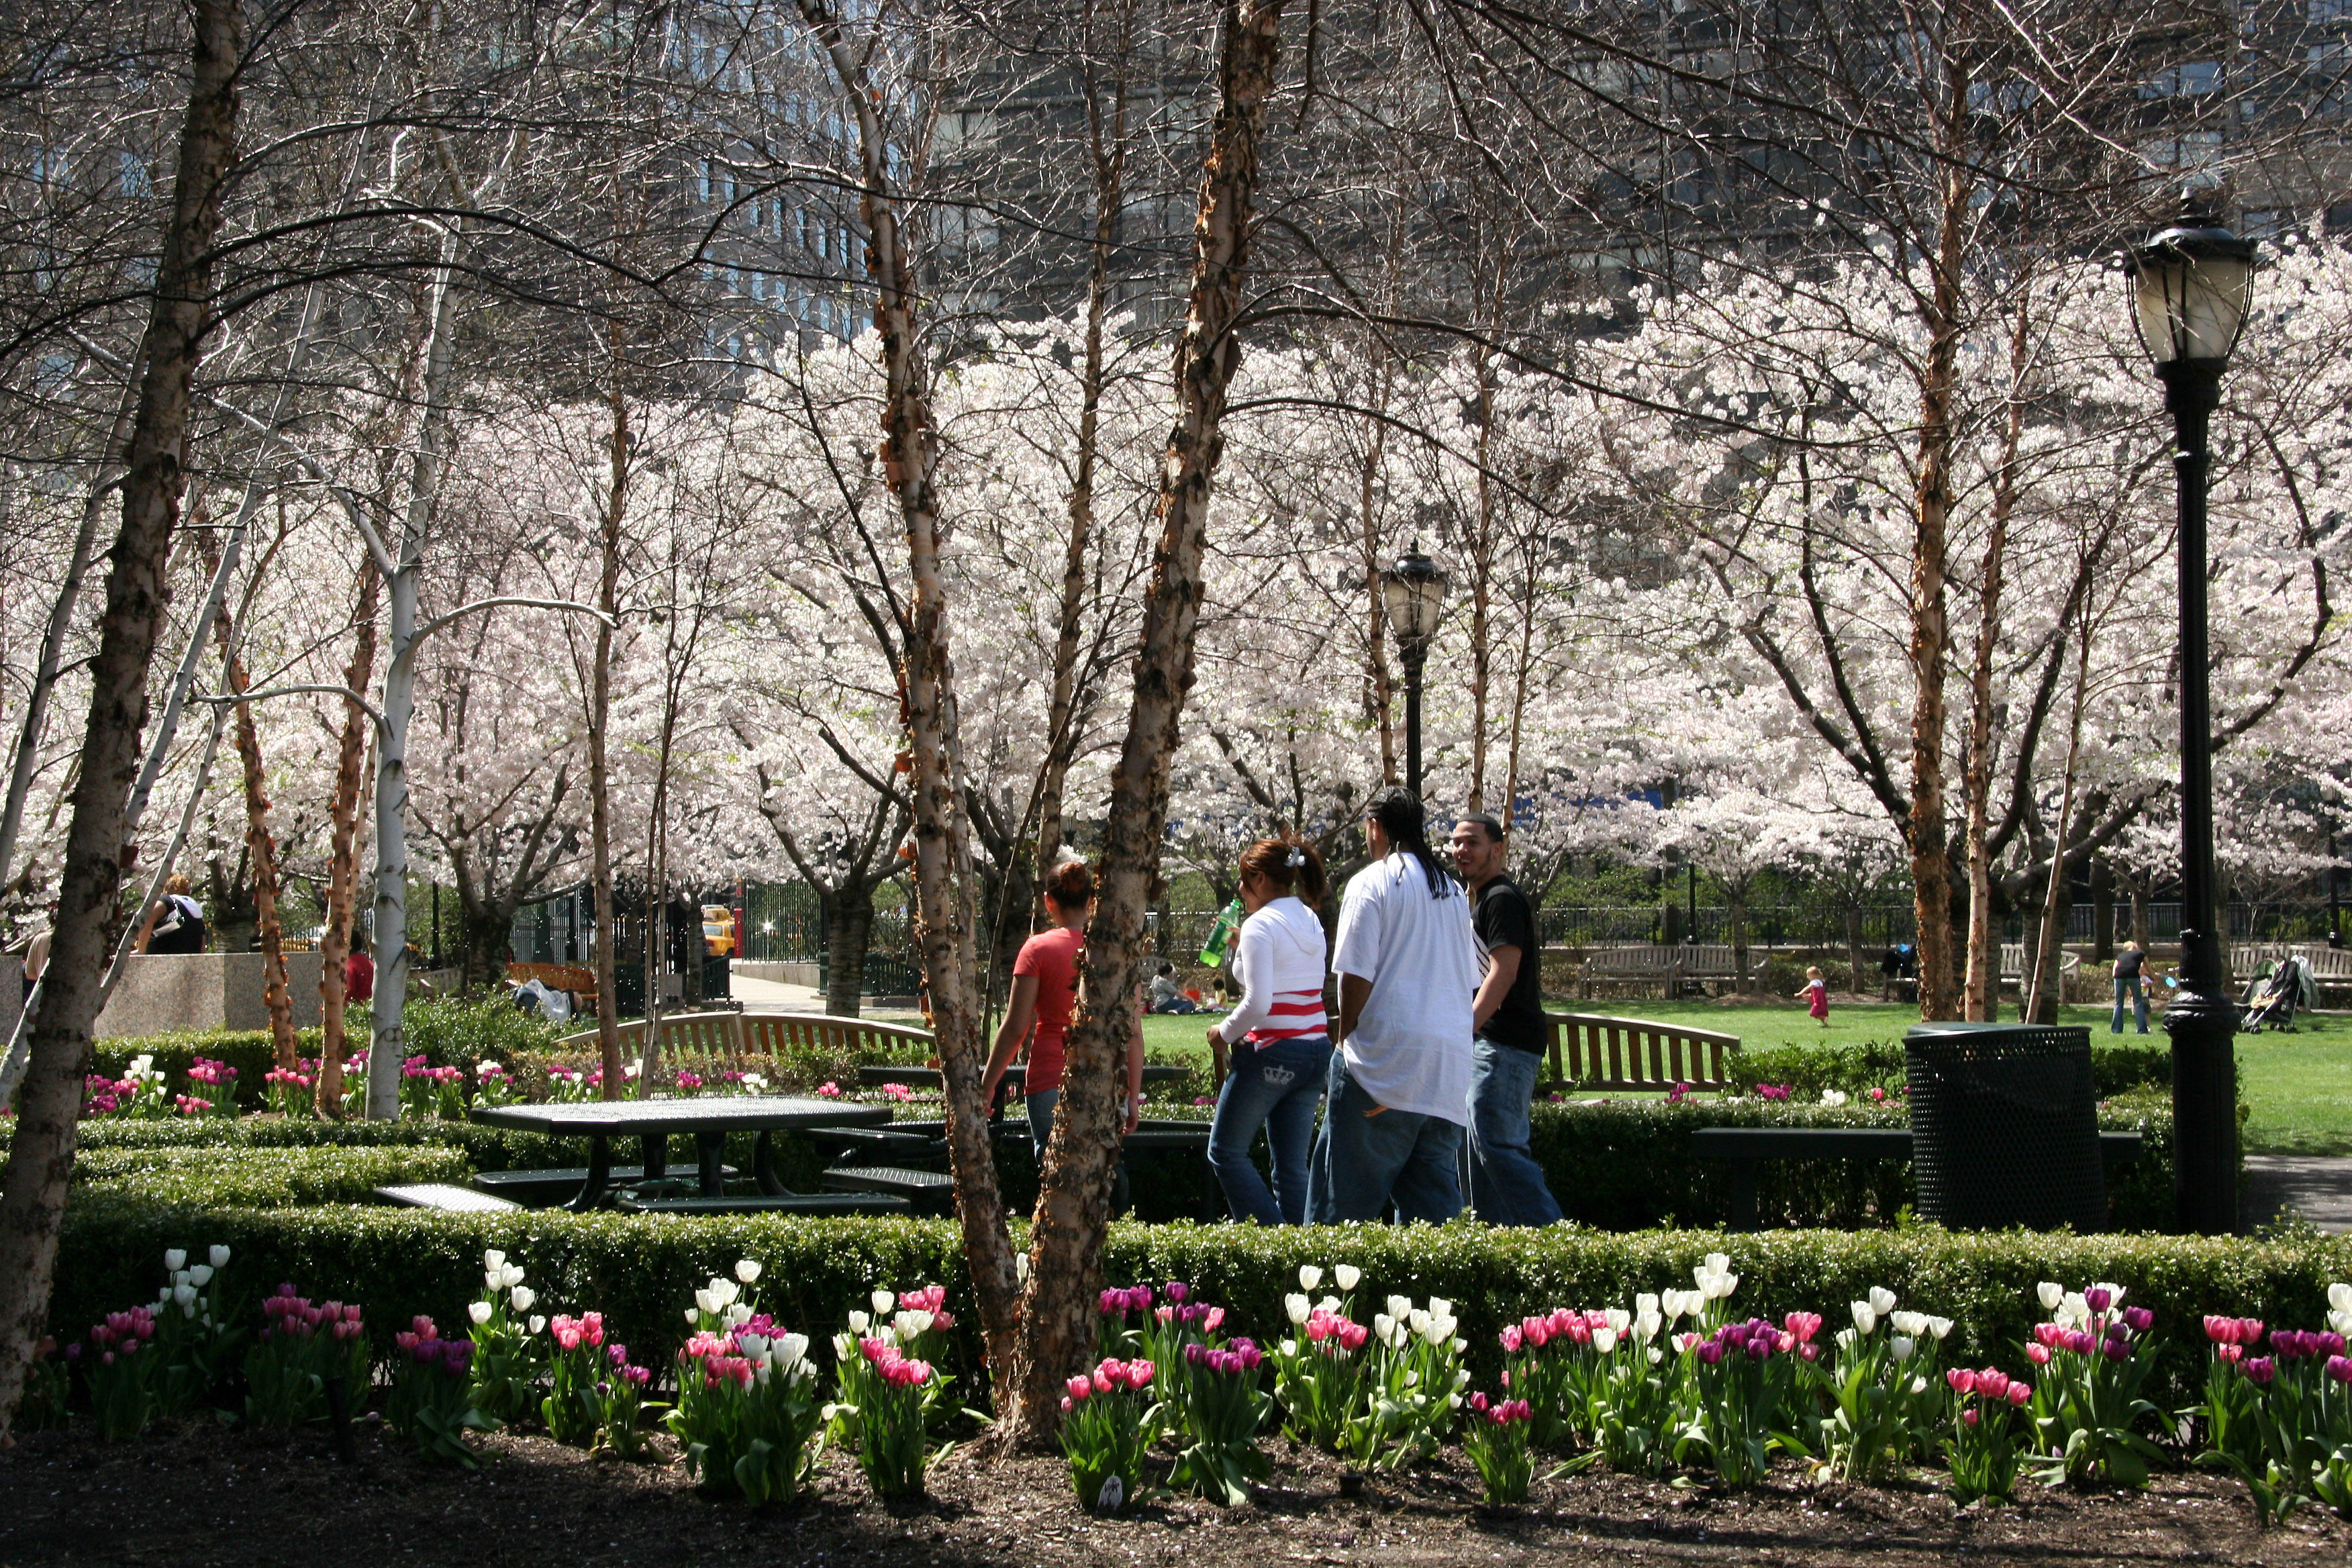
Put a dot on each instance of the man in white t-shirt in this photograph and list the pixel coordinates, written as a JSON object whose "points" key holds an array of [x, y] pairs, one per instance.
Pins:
{"points": [[1408, 968]]}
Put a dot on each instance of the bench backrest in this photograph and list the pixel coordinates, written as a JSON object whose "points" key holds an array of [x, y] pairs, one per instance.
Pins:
{"points": [[2326, 963], [1629, 1055], [1703, 958], [723, 1036], [555, 977], [2013, 961]]}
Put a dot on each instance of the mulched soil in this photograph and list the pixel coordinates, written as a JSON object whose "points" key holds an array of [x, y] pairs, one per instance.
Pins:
{"points": [[196, 1498]]}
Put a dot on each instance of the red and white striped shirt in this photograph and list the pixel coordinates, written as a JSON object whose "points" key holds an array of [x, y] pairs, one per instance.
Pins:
{"points": [[1280, 959]]}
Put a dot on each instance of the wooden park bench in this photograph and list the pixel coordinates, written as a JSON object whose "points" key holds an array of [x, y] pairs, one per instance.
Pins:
{"points": [[1669, 968], [2013, 963], [1630, 1056], [721, 1038], [577, 979], [2331, 967]]}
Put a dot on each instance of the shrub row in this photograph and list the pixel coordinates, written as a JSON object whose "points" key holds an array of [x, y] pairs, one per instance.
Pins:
{"points": [[256, 1177], [1618, 1164], [638, 1269]]}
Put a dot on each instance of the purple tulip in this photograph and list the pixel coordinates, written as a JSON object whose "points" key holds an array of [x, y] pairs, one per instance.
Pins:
{"points": [[2117, 1350], [2330, 1342], [2339, 1369], [1177, 1290], [2139, 1319], [1194, 1354], [2095, 1299], [2259, 1369], [1710, 1351], [2080, 1342]]}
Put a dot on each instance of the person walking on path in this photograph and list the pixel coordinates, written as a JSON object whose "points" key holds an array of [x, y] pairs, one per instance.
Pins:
{"points": [[1816, 997], [1044, 993], [1279, 1034], [1507, 1186], [176, 922], [2129, 985], [1399, 1086]]}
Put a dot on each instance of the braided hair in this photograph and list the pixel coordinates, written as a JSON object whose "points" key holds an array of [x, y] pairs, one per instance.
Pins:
{"points": [[1398, 813]]}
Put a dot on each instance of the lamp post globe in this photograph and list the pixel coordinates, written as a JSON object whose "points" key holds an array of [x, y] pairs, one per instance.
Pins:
{"points": [[1413, 595], [2191, 290]]}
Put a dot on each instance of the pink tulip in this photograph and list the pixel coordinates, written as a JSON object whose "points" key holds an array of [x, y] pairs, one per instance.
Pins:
{"points": [[1080, 1388], [2040, 1354], [1962, 1380], [2019, 1393]]}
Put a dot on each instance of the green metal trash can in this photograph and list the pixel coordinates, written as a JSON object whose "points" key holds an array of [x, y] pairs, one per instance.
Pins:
{"points": [[2005, 1126]]}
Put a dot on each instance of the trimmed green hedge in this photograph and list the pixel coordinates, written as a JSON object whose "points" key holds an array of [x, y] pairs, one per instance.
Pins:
{"points": [[638, 1270], [2116, 1069], [256, 1177]]}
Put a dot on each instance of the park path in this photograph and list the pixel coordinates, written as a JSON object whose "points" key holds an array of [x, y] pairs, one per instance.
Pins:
{"points": [[775, 996], [2317, 1187]]}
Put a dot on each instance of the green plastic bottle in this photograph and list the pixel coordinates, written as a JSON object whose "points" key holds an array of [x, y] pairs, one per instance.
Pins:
{"points": [[1221, 935]]}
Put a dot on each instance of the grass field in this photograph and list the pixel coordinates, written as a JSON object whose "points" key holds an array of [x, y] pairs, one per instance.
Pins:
{"points": [[2299, 1085]]}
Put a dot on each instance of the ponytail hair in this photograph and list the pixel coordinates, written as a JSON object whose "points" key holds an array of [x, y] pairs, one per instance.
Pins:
{"points": [[1398, 813], [1070, 885], [1290, 864]]}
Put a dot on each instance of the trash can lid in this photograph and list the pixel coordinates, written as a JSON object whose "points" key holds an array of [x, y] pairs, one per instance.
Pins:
{"points": [[1928, 1034]]}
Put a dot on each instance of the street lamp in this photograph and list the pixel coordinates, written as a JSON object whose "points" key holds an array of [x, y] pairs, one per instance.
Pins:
{"points": [[1411, 593], [2193, 287]]}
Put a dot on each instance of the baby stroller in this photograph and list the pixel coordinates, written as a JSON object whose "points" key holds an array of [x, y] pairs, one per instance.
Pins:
{"points": [[2277, 991]]}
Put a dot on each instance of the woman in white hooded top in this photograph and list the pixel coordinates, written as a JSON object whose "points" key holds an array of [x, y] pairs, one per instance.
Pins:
{"points": [[1279, 1035]]}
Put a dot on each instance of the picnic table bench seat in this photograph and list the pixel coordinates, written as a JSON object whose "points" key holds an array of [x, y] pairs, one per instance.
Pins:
{"points": [[543, 1189], [859, 1202], [446, 1198], [1591, 1051], [926, 1192]]}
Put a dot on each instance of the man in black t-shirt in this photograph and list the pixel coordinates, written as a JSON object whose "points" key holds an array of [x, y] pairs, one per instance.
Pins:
{"points": [[1507, 1186]]}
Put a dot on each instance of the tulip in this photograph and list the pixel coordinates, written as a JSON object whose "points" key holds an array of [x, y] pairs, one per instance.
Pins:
{"points": [[2051, 1294], [2040, 1354], [1865, 1316], [1080, 1388], [1962, 1380], [521, 1297], [2259, 1370], [2339, 1369], [1969, 1414], [1345, 1276], [1310, 1277], [479, 1311], [1710, 1351], [2019, 1393], [747, 1271], [175, 1259], [883, 1301], [1882, 1299], [1512, 1338], [2139, 1318], [1177, 1290]]}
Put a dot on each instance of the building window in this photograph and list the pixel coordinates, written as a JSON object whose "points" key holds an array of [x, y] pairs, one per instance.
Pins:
{"points": [[2193, 79]]}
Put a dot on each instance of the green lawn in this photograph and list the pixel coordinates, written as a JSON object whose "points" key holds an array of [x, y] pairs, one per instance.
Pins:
{"points": [[2299, 1085]]}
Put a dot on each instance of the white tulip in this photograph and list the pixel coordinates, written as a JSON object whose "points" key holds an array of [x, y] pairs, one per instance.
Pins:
{"points": [[2340, 1321], [1310, 1277], [883, 1301], [1617, 1318], [1866, 1317], [537, 1324], [2339, 1297], [513, 1274], [1911, 1323], [1918, 1386], [1297, 1307], [1439, 1307], [912, 1324], [1381, 1324], [794, 1348], [753, 1345], [493, 1261], [705, 1302], [1833, 1098], [1902, 1345], [1882, 1299], [2051, 1293], [1846, 1337], [747, 1271], [185, 1296], [1400, 1306], [1718, 1263], [1330, 1303], [1940, 1327], [859, 1322], [1290, 1347], [1346, 1274], [737, 1312], [1419, 1320], [1646, 1327], [521, 1297], [1645, 1303], [693, 1318], [201, 1274], [479, 1311], [2073, 1309], [217, 1257], [175, 1259], [1656, 1355], [726, 1291], [1723, 1285], [1604, 1339]]}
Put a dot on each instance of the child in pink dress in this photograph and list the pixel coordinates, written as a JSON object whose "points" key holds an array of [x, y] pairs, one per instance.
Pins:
{"points": [[1816, 996]]}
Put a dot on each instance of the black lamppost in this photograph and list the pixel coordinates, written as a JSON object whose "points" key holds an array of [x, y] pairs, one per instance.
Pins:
{"points": [[1412, 592], [2193, 285]]}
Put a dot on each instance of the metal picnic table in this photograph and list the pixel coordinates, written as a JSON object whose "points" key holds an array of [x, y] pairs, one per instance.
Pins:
{"points": [[653, 1121]]}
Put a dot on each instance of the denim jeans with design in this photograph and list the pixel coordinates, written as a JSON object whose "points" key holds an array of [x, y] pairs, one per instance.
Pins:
{"points": [[1040, 1106], [1507, 1186], [1368, 1158], [2127, 988], [1275, 1086]]}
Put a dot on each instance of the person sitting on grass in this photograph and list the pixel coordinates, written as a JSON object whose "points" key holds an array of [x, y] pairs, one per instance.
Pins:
{"points": [[1166, 998]]}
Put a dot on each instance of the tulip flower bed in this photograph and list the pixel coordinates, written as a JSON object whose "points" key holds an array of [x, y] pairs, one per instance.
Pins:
{"points": [[1677, 1385]]}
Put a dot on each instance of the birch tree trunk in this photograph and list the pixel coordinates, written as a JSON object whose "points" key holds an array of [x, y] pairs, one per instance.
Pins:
{"points": [[137, 592], [1931, 873], [943, 851], [1073, 1209], [1981, 986], [600, 718], [2042, 999], [343, 846]]}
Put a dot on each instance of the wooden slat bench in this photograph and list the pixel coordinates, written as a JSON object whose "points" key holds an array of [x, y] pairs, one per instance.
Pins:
{"points": [[446, 1198], [2331, 967], [1742, 1147], [1631, 1056], [577, 979], [1669, 967], [2013, 962], [724, 1038]]}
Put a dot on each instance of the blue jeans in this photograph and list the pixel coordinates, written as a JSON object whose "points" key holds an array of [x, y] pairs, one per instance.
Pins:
{"points": [[1367, 1160], [1275, 1086], [1507, 1186], [2129, 986], [1040, 1106]]}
